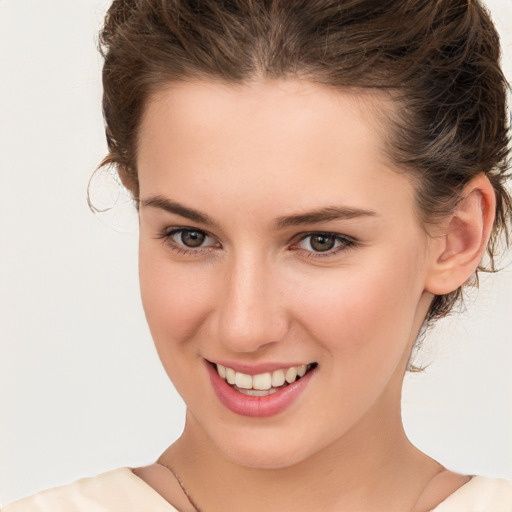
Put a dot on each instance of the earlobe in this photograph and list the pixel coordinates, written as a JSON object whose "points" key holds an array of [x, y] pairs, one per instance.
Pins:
{"points": [[463, 240]]}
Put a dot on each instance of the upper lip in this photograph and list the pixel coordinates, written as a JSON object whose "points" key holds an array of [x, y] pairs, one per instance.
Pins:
{"points": [[255, 369]]}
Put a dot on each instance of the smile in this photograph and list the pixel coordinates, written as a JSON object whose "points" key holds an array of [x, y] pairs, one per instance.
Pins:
{"points": [[263, 384], [263, 394]]}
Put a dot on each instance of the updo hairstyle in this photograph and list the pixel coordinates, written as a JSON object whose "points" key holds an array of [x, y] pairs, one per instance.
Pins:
{"points": [[437, 59]]}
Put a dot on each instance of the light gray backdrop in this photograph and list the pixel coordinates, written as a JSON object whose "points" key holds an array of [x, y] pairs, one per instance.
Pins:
{"points": [[81, 388]]}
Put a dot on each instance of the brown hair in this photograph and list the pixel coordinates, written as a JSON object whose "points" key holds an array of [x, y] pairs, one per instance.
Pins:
{"points": [[438, 59]]}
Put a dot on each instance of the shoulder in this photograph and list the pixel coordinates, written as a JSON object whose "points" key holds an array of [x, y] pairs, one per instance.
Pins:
{"points": [[114, 491], [480, 494]]}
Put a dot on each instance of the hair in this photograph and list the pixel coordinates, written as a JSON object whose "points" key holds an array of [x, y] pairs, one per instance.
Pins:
{"points": [[439, 60]]}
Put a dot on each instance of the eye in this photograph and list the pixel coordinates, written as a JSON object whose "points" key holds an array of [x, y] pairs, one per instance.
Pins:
{"points": [[188, 240], [327, 243], [320, 242]]}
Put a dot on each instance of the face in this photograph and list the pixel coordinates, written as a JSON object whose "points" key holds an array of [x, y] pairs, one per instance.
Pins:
{"points": [[275, 238]]}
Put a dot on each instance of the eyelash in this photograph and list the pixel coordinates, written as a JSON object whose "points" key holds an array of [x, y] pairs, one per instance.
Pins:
{"points": [[346, 243], [167, 237]]}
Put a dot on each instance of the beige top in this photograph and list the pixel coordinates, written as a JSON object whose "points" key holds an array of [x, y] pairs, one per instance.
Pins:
{"points": [[122, 491], [119, 490]]}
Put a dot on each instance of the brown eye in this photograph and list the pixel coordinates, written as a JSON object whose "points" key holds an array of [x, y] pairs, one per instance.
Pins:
{"points": [[191, 238], [325, 244], [322, 242], [189, 241]]}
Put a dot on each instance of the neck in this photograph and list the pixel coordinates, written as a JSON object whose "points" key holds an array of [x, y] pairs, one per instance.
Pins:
{"points": [[365, 470]]}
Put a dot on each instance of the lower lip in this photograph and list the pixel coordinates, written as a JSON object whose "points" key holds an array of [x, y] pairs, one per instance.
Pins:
{"points": [[257, 406]]}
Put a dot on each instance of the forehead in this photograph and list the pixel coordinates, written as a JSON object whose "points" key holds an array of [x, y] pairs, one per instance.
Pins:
{"points": [[285, 108], [263, 137]]}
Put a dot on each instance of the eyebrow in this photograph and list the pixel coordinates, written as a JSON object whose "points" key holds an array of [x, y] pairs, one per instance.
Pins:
{"points": [[326, 214], [173, 207], [329, 213]]}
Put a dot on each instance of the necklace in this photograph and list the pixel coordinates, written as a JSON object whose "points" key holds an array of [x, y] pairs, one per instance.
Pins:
{"points": [[197, 509], [178, 479]]}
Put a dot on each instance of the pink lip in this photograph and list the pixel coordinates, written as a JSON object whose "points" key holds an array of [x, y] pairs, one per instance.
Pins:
{"points": [[255, 369], [257, 406]]}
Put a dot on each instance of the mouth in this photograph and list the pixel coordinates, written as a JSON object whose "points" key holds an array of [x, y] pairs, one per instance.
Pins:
{"points": [[263, 384], [260, 395]]}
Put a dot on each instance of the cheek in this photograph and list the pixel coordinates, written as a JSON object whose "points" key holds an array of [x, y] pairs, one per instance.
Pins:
{"points": [[175, 300], [363, 314]]}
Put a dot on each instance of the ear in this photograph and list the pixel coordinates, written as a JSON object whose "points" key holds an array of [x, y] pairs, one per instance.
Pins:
{"points": [[460, 245]]}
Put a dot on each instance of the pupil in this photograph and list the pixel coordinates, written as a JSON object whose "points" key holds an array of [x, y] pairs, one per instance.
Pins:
{"points": [[322, 242], [192, 238]]}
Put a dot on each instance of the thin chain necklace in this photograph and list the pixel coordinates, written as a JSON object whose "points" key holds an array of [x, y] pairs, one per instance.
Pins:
{"points": [[178, 479], [197, 509]]}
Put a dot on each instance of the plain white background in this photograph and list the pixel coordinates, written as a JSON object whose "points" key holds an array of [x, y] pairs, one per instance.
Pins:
{"points": [[81, 388]]}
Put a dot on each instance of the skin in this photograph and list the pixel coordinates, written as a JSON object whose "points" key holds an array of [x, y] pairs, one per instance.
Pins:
{"points": [[257, 292]]}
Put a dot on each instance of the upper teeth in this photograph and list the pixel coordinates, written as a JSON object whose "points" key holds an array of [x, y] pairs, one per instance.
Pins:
{"points": [[262, 381]]}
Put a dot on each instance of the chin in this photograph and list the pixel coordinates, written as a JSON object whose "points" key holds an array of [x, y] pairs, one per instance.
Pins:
{"points": [[265, 449]]}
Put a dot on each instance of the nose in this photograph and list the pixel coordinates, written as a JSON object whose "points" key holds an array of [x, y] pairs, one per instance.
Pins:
{"points": [[251, 313]]}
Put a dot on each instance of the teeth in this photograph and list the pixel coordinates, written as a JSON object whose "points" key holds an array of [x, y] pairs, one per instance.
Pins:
{"points": [[222, 370], [262, 381], [243, 381], [278, 378], [257, 392], [261, 384], [230, 375], [291, 374]]}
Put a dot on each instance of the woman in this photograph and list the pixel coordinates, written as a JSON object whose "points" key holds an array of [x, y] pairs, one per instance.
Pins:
{"points": [[316, 182]]}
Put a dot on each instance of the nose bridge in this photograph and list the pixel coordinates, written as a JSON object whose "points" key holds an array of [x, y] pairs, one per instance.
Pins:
{"points": [[251, 310]]}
